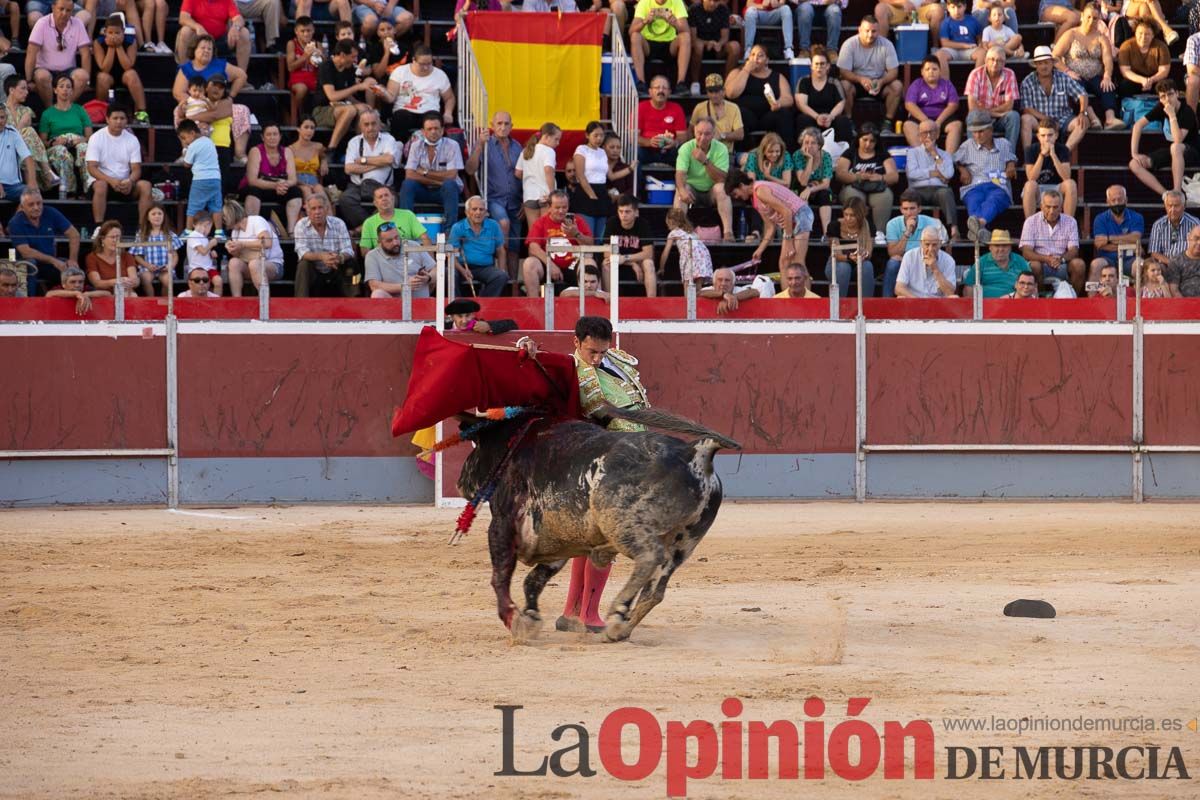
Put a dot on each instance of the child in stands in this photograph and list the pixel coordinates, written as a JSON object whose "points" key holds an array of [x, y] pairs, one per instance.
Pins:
{"points": [[201, 155], [200, 249], [695, 262], [197, 103], [303, 57], [156, 261]]}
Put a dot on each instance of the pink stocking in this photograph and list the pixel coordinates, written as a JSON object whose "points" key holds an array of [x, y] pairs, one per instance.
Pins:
{"points": [[575, 590], [594, 579]]}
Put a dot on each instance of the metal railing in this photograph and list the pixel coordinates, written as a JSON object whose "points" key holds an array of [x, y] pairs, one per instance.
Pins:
{"points": [[472, 101], [624, 95]]}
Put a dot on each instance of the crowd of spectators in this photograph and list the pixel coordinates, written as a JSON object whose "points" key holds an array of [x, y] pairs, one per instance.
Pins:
{"points": [[762, 158]]}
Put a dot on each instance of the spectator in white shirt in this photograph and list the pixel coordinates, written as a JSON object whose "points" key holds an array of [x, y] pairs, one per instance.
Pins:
{"points": [[372, 155], [927, 271], [114, 164], [416, 89]]}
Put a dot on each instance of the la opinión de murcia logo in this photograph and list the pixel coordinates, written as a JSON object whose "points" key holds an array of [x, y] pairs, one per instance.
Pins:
{"points": [[782, 750]]}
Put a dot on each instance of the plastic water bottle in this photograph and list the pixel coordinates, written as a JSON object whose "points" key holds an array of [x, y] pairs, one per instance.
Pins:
{"points": [[112, 96], [741, 228], [393, 48]]}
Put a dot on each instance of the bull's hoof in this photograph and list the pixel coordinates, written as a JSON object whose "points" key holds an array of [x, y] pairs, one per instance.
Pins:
{"points": [[569, 624], [618, 628], [526, 626]]}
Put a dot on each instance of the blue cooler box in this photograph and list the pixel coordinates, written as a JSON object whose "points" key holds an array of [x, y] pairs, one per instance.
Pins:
{"points": [[900, 156], [432, 223], [800, 68], [912, 43]]}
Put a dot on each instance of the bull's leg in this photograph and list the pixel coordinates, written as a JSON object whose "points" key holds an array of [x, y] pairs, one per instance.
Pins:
{"points": [[679, 550], [502, 546], [527, 625], [645, 564]]}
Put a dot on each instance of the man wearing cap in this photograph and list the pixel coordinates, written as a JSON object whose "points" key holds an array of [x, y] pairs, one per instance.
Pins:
{"points": [[986, 167], [998, 268], [723, 112], [1048, 93], [708, 24], [927, 271], [1050, 243], [480, 243], [993, 89], [461, 317]]}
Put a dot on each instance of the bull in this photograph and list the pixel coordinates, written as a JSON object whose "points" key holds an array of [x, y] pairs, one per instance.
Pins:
{"points": [[576, 489]]}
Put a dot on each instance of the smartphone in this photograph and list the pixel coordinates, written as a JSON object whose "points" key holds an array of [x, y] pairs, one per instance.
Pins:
{"points": [[1092, 286]]}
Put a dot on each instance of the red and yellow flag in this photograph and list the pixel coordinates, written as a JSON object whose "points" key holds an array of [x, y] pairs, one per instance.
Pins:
{"points": [[540, 67]]}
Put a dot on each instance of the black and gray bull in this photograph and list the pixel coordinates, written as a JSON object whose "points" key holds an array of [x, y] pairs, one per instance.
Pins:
{"points": [[577, 489]]}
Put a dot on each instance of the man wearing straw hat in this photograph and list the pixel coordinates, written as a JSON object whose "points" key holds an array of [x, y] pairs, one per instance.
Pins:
{"points": [[999, 268]]}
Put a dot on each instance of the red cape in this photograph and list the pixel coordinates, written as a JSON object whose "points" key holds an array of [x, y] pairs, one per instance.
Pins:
{"points": [[450, 377]]}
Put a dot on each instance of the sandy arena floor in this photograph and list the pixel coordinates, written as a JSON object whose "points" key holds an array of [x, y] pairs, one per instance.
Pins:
{"points": [[347, 652]]}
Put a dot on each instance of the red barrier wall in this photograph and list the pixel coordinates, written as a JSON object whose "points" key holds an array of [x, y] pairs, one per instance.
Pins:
{"points": [[315, 395], [999, 389], [773, 393], [1172, 389], [83, 393]]}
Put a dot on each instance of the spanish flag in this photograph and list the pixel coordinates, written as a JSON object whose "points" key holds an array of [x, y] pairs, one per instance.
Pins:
{"points": [[540, 68]]}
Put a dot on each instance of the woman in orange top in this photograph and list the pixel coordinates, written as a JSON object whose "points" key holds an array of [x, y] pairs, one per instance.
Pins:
{"points": [[101, 263]]}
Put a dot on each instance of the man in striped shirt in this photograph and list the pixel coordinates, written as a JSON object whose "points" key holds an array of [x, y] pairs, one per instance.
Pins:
{"points": [[1048, 93], [1191, 64], [993, 88], [1050, 243], [1168, 235]]}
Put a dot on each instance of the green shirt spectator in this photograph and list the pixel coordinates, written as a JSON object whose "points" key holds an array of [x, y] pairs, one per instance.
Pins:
{"points": [[697, 176], [657, 29], [997, 282], [56, 122], [406, 222]]}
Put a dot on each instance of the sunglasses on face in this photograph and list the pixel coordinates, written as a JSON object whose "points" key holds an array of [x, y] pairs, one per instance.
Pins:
{"points": [[199, 280], [61, 44], [387, 226]]}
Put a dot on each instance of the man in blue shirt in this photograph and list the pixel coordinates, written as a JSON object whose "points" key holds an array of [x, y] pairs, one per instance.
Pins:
{"points": [[494, 161], [15, 159], [480, 243], [33, 230], [904, 234], [1117, 225]]}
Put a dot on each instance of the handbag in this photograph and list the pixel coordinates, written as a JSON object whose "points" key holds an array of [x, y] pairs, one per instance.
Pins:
{"points": [[832, 146], [1191, 190], [1138, 106]]}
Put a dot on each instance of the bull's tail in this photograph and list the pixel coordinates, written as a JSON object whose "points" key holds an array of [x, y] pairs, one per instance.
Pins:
{"points": [[653, 418]]}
